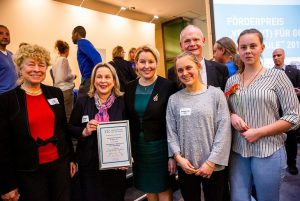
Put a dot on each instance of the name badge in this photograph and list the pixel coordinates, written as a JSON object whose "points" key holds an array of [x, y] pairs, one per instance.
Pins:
{"points": [[185, 111], [85, 119], [53, 101]]}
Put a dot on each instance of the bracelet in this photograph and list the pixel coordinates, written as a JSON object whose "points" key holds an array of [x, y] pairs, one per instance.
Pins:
{"points": [[209, 165]]}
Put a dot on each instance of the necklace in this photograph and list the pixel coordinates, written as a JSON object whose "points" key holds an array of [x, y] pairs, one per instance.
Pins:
{"points": [[145, 85], [145, 88], [256, 74], [31, 92]]}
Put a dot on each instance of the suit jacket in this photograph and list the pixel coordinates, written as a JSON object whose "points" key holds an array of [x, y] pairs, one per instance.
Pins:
{"points": [[217, 74], [87, 147], [154, 120], [294, 76], [18, 150]]}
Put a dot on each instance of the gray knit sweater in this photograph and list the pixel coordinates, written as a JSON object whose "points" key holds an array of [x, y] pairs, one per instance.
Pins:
{"points": [[198, 126]]}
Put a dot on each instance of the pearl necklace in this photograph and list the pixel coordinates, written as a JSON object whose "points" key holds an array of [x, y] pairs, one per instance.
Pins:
{"points": [[32, 93]]}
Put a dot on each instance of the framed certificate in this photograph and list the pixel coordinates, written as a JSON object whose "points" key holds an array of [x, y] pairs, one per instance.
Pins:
{"points": [[114, 144]]}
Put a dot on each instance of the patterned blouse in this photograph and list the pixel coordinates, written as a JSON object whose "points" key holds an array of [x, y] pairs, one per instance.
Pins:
{"points": [[259, 105]]}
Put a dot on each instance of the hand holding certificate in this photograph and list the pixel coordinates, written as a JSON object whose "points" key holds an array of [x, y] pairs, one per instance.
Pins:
{"points": [[114, 144]]}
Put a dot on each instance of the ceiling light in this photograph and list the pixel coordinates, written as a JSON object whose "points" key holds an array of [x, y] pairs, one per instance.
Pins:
{"points": [[121, 9], [81, 3], [154, 18]]}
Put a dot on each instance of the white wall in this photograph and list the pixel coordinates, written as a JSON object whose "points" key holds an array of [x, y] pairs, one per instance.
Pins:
{"points": [[42, 22], [207, 51]]}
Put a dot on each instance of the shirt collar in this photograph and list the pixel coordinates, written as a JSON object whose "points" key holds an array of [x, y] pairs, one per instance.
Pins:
{"points": [[282, 68], [4, 52]]}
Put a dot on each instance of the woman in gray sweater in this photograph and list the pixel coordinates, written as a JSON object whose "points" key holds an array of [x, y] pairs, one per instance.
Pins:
{"points": [[199, 133]]}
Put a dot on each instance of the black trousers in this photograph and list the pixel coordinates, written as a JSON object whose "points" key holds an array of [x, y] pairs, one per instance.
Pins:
{"points": [[102, 185], [213, 188], [84, 87], [51, 182], [291, 147]]}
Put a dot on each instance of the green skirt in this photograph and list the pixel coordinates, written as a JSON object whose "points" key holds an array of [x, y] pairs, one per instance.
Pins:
{"points": [[150, 167]]}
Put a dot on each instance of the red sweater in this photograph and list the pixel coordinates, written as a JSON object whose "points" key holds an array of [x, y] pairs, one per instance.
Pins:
{"points": [[41, 124]]}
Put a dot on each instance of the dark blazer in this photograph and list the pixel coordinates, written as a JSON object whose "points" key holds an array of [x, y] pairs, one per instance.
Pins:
{"points": [[87, 147], [294, 76], [18, 150], [217, 74], [124, 71], [154, 121]]}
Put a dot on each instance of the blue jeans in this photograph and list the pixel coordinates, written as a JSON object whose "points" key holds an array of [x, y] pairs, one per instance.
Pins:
{"points": [[264, 173]]}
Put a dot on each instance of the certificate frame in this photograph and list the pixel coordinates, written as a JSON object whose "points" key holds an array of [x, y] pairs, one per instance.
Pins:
{"points": [[114, 147]]}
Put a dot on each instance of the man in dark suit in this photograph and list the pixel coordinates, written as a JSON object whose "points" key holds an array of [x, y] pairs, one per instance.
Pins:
{"points": [[294, 76], [213, 73]]}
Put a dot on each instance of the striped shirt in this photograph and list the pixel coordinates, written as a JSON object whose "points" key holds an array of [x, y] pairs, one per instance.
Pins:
{"points": [[258, 105]]}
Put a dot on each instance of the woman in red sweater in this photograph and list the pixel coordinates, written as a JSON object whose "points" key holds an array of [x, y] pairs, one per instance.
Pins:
{"points": [[34, 146]]}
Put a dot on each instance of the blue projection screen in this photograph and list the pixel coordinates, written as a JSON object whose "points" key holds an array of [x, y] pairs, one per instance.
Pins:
{"points": [[278, 20]]}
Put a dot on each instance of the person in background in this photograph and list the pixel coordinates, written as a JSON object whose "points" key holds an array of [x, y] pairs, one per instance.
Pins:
{"points": [[8, 75], [22, 44], [146, 101], [35, 148], [295, 64], [62, 75], [103, 103], [225, 52], [294, 76], [87, 57], [131, 56], [213, 73], [199, 133], [255, 96], [123, 67]]}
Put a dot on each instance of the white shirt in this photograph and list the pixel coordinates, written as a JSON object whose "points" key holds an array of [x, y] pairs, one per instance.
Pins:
{"points": [[62, 73], [203, 73]]}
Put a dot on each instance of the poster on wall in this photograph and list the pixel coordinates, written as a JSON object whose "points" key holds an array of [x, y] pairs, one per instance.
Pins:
{"points": [[278, 20]]}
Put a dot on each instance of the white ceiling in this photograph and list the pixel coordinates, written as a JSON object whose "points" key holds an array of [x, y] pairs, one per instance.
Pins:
{"points": [[166, 9], [144, 10]]}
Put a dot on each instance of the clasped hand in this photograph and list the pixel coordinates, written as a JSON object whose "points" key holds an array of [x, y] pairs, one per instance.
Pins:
{"points": [[204, 171], [250, 134]]}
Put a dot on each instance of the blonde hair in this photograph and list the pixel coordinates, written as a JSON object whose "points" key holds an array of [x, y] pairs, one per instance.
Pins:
{"points": [[133, 49], [228, 45], [192, 57], [118, 52], [147, 48], [35, 52], [116, 89]]}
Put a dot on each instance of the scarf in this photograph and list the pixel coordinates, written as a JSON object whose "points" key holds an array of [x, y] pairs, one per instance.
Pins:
{"points": [[102, 115]]}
